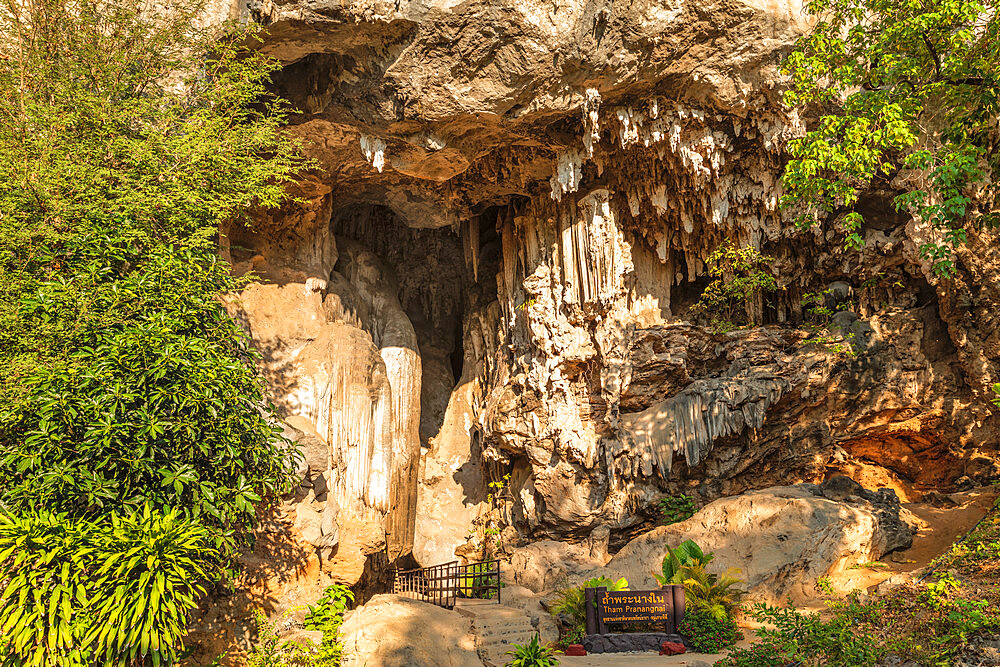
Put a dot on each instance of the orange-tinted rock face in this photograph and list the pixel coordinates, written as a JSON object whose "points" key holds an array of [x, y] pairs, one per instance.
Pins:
{"points": [[490, 274]]}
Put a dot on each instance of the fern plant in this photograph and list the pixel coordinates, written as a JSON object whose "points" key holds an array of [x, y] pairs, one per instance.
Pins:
{"points": [[532, 654], [713, 594]]}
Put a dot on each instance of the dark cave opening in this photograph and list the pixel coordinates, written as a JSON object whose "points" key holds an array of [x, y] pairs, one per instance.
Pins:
{"points": [[457, 356]]}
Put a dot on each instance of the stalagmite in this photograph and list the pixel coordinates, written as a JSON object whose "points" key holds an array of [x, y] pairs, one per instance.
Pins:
{"points": [[399, 411]]}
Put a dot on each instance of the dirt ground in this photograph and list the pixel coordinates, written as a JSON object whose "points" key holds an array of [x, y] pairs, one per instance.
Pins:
{"points": [[942, 526]]}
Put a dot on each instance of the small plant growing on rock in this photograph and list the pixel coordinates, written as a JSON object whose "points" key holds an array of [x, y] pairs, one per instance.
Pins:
{"points": [[736, 295], [532, 654], [707, 633], [676, 508]]}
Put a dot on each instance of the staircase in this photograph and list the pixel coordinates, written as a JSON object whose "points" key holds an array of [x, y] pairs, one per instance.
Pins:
{"points": [[497, 628]]}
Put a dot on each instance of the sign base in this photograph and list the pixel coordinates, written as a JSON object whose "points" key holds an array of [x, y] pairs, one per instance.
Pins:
{"points": [[627, 642]]}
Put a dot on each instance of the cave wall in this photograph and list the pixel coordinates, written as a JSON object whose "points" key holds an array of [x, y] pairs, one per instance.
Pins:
{"points": [[489, 273]]}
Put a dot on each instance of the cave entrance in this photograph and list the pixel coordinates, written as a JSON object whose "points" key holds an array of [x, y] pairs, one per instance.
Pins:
{"points": [[429, 271]]}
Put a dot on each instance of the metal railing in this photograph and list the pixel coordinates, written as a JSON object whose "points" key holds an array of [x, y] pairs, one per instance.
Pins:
{"points": [[445, 584]]}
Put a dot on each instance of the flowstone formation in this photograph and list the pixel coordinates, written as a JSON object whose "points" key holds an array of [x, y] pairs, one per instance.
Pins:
{"points": [[479, 303]]}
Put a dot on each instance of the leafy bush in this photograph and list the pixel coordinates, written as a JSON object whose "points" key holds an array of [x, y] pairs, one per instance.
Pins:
{"points": [[122, 379], [676, 508], [572, 601], [157, 401], [840, 641], [130, 404], [707, 633], [114, 593], [760, 654], [270, 651], [327, 615], [735, 297], [686, 553], [532, 654]]}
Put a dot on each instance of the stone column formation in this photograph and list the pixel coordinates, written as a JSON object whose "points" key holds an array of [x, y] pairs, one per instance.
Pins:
{"points": [[341, 358]]}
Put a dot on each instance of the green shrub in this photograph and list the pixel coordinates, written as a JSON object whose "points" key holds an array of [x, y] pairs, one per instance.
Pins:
{"points": [[532, 654], [686, 553], [760, 654], [841, 641], [122, 379], [114, 593], [707, 633], [713, 594], [270, 651], [157, 401], [327, 615], [676, 508], [735, 296]]}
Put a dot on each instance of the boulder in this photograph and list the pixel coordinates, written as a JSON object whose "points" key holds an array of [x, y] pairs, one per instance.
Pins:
{"points": [[397, 631], [782, 538], [545, 565]]}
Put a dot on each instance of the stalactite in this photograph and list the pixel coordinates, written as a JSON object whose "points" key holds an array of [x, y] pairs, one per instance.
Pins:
{"points": [[470, 246], [591, 120], [692, 421], [374, 150], [352, 414], [568, 172]]}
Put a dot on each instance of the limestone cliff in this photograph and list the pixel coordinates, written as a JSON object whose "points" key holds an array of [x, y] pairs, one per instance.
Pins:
{"points": [[488, 276]]}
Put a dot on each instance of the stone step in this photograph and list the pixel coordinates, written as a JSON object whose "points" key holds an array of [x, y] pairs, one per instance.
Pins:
{"points": [[497, 628], [505, 632], [510, 625], [518, 638]]}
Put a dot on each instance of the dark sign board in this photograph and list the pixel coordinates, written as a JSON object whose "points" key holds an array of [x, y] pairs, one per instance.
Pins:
{"points": [[635, 606], [604, 607]]}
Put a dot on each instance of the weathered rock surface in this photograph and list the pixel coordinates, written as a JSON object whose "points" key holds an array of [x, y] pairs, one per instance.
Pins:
{"points": [[782, 538], [392, 630], [489, 278]]}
